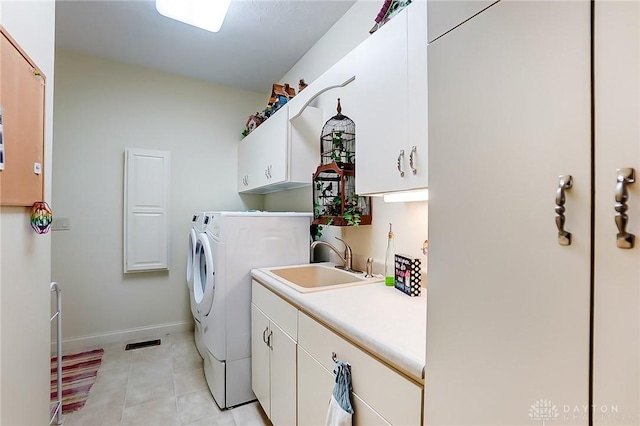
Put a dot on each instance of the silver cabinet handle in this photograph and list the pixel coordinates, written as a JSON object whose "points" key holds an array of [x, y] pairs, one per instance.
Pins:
{"points": [[269, 340], [411, 155], [564, 182], [266, 174], [400, 162], [626, 176], [269, 170], [264, 335]]}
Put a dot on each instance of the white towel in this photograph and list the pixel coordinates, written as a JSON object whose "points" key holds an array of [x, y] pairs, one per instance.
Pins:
{"points": [[336, 415], [340, 410]]}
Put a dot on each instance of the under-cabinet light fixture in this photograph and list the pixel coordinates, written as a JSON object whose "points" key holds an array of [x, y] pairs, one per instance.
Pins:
{"points": [[406, 196], [205, 14]]}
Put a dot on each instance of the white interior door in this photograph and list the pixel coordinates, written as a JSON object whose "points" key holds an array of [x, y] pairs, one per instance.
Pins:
{"points": [[508, 315], [146, 210]]}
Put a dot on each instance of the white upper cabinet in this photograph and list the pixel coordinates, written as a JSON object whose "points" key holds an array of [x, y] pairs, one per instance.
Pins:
{"points": [[446, 15], [280, 154], [391, 105]]}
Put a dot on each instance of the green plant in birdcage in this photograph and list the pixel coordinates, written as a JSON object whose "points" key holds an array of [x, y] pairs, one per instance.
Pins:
{"points": [[338, 145], [352, 210], [333, 207], [349, 157]]}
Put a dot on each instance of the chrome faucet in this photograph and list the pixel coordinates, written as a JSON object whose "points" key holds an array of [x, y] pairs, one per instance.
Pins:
{"points": [[346, 258]]}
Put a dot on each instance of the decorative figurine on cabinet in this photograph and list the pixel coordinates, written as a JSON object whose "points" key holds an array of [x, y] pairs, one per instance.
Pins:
{"points": [[253, 122], [389, 8], [280, 95]]}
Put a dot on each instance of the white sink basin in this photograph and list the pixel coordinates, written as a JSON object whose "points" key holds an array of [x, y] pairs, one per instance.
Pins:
{"points": [[314, 277]]}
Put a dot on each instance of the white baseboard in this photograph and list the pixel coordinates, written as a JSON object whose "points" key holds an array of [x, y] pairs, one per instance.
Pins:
{"points": [[76, 344]]}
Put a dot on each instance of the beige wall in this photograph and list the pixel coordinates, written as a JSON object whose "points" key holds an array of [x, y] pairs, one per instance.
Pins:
{"points": [[102, 107], [409, 219], [24, 255]]}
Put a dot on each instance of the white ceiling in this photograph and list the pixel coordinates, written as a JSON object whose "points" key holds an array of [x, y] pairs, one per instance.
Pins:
{"points": [[260, 40]]}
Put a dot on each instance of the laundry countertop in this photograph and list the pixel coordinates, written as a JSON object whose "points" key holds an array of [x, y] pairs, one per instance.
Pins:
{"points": [[381, 320]]}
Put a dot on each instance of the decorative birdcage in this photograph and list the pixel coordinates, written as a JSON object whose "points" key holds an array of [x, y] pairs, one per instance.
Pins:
{"points": [[335, 201], [338, 140]]}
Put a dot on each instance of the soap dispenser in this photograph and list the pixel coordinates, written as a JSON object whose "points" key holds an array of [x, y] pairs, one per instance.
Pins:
{"points": [[389, 261]]}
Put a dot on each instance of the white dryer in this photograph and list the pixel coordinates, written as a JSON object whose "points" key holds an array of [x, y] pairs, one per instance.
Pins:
{"points": [[232, 244], [197, 226]]}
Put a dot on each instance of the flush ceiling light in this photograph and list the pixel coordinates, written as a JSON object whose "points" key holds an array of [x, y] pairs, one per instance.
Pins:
{"points": [[205, 14], [398, 197]]}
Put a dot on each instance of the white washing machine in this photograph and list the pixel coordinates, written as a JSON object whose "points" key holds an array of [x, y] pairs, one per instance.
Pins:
{"points": [[232, 244], [197, 226]]}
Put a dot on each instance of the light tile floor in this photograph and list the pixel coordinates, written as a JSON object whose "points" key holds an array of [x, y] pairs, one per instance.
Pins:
{"points": [[159, 385]]}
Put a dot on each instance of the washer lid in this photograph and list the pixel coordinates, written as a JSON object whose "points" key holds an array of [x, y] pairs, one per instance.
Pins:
{"points": [[190, 255], [204, 279]]}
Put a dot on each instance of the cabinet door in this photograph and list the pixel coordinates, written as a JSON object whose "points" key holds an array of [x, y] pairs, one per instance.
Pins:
{"points": [[417, 134], [616, 369], [272, 154], [283, 377], [244, 152], [260, 352], [315, 385], [381, 107], [508, 318]]}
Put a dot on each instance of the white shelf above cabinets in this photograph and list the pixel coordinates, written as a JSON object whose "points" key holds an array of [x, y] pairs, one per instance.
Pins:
{"points": [[391, 105], [281, 154]]}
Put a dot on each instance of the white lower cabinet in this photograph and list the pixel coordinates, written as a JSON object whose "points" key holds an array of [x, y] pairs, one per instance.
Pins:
{"points": [[380, 394], [292, 370], [273, 360]]}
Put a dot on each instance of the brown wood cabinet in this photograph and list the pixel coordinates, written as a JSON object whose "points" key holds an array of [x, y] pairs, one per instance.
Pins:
{"points": [[22, 88]]}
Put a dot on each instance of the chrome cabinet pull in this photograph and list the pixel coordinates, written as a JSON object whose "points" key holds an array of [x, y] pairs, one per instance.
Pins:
{"points": [[626, 176], [264, 337], [564, 182], [411, 155], [400, 162], [269, 340]]}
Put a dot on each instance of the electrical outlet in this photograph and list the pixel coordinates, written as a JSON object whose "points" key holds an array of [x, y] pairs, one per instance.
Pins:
{"points": [[61, 224]]}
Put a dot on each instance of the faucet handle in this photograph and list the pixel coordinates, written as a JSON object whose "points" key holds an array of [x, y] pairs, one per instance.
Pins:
{"points": [[369, 268], [347, 248]]}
